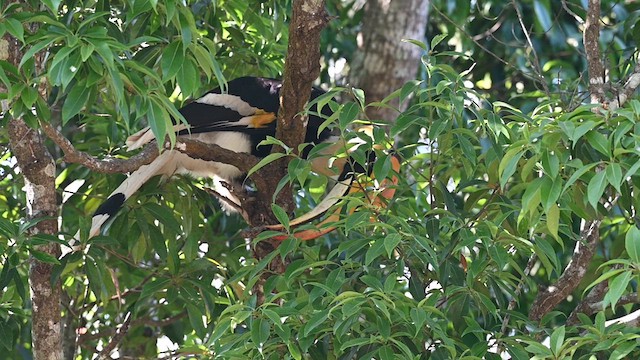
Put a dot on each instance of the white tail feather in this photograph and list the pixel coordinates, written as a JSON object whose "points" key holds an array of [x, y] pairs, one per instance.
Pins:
{"points": [[164, 164]]}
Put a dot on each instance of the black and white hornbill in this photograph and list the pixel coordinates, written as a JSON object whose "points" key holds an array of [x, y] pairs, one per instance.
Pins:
{"points": [[237, 120]]}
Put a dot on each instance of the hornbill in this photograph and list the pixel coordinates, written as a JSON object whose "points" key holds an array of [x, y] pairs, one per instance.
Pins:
{"points": [[238, 119]]}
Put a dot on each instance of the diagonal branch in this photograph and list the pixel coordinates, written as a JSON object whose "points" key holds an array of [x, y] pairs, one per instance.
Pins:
{"points": [[573, 273], [631, 84]]}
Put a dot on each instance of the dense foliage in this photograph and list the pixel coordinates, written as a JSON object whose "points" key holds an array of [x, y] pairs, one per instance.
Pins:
{"points": [[503, 164]]}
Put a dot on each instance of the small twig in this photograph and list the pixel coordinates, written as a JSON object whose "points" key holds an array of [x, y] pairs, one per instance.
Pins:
{"points": [[117, 338], [83, 339], [237, 207], [577, 18], [518, 289], [536, 60], [628, 89]]}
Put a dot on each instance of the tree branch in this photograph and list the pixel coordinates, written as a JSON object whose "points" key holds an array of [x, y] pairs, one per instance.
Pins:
{"points": [[107, 166], [302, 67], [586, 306], [193, 148], [630, 86], [38, 170], [591, 39], [549, 298], [117, 337]]}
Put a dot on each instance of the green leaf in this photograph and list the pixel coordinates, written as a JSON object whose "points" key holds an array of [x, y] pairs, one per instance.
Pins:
{"points": [[6, 336], [348, 114], [281, 215], [375, 251], [187, 77], [94, 276], [551, 164], [157, 117], [532, 195], [172, 59], [596, 188], [557, 339], [357, 342], [617, 287], [34, 49], [165, 216], [356, 220], [359, 95], [622, 350], [53, 5], [543, 16], [153, 286], [267, 160], [614, 175], [508, 165], [86, 50], [260, 331], [576, 175], [75, 101], [8, 228], [44, 257], [633, 170], [580, 131], [15, 28], [553, 220], [386, 353], [382, 167], [550, 190], [315, 321], [391, 241], [437, 39], [196, 319], [408, 88], [632, 244], [599, 142]]}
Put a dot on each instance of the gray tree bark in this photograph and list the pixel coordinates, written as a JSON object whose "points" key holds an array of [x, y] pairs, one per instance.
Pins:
{"points": [[383, 62], [39, 172]]}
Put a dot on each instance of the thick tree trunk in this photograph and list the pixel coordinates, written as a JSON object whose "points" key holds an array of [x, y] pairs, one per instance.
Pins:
{"points": [[39, 172], [383, 62]]}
